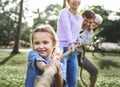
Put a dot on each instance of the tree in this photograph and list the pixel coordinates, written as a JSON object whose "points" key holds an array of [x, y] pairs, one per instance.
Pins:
{"points": [[110, 28], [16, 46], [49, 15], [64, 3], [7, 21]]}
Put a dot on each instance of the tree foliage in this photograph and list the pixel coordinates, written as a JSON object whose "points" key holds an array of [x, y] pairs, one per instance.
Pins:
{"points": [[8, 21], [110, 28], [9, 15], [49, 15]]}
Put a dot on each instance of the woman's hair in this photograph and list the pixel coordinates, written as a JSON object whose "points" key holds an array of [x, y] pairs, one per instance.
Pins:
{"points": [[98, 18], [67, 4], [48, 29]]}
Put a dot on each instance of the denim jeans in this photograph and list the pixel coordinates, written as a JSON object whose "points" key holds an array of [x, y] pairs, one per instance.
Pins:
{"points": [[71, 65]]}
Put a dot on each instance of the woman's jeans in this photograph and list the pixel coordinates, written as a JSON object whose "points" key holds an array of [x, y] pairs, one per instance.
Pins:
{"points": [[71, 65]]}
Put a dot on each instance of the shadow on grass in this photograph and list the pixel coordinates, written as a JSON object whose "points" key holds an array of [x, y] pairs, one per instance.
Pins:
{"points": [[106, 64], [6, 59]]}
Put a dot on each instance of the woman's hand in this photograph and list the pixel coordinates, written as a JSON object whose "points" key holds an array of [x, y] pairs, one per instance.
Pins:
{"points": [[71, 48]]}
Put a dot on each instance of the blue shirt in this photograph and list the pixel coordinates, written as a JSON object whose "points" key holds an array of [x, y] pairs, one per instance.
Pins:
{"points": [[32, 70]]}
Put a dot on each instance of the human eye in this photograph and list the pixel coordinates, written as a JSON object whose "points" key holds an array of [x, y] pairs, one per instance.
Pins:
{"points": [[36, 43], [91, 22], [46, 42], [86, 21], [95, 23]]}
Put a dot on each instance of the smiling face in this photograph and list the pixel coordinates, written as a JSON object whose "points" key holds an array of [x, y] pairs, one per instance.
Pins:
{"points": [[98, 20], [86, 22], [88, 18], [94, 24], [43, 44], [74, 4]]}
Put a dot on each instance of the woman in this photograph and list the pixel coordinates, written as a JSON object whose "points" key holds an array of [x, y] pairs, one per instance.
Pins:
{"points": [[68, 28]]}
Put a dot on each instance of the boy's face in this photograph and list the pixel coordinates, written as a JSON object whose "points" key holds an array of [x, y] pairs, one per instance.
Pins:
{"points": [[87, 23], [43, 44]]}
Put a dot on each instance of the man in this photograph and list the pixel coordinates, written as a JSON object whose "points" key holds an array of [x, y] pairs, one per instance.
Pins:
{"points": [[86, 37]]}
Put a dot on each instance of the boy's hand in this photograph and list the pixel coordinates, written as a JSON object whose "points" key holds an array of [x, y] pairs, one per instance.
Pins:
{"points": [[79, 44]]}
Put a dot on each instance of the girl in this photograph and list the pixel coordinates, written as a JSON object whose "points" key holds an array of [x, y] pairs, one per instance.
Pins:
{"points": [[44, 42]]}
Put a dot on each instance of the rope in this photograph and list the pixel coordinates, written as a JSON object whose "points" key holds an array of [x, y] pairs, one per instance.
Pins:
{"points": [[83, 56], [46, 79], [67, 52], [84, 60]]}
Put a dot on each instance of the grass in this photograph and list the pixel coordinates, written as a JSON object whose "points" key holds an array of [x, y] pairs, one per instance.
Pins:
{"points": [[109, 70], [13, 69]]}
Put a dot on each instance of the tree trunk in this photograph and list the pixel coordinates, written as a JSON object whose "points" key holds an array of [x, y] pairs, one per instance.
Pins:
{"points": [[17, 37], [64, 3]]}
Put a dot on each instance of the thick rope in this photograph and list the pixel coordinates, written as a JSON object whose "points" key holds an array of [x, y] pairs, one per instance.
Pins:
{"points": [[84, 60], [67, 52], [46, 79]]}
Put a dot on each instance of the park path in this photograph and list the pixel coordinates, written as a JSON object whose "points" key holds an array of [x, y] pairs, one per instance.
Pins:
{"points": [[21, 50], [106, 46]]}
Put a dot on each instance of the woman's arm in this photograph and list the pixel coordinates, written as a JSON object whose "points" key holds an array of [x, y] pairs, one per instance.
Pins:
{"points": [[65, 24]]}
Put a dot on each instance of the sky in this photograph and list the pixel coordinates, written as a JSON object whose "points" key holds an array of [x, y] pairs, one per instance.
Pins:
{"points": [[113, 5], [108, 4]]}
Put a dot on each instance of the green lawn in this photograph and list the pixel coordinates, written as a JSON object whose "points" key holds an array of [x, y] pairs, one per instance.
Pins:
{"points": [[109, 70], [13, 70]]}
